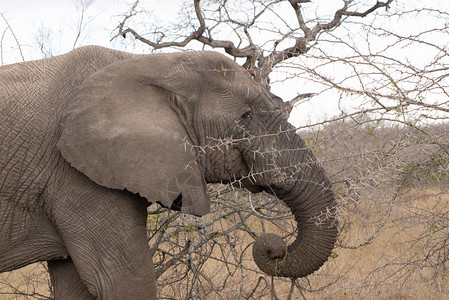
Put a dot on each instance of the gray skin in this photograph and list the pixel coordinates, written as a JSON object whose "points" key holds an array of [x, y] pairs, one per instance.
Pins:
{"points": [[90, 138]]}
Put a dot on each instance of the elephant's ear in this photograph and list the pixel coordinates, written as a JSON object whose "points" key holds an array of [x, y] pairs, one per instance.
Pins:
{"points": [[125, 131]]}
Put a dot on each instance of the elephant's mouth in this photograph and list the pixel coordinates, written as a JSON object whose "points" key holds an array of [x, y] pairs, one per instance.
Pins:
{"points": [[230, 167], [250, 186]]}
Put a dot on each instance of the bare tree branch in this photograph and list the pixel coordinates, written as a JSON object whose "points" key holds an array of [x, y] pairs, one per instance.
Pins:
{"points": [[82, 5], [19, 46], [266, 63]]}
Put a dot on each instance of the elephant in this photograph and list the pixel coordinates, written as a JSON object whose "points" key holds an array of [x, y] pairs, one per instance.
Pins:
{"points": [[89, 139]]}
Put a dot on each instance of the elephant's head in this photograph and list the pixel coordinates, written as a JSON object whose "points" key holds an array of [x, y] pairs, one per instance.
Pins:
{"points": [[163, 125]]}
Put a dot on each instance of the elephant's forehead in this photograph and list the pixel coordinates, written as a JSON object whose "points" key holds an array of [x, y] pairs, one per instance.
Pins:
{"points": [[270, 101]]}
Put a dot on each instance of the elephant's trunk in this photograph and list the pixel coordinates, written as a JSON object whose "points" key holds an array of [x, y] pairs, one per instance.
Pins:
{"points": [[317, 232], [305, 189]]}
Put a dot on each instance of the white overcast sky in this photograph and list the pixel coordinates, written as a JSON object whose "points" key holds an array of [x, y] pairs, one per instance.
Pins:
{"points": [[26, 17]]}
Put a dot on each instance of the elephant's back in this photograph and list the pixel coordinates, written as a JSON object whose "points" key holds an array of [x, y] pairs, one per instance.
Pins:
{"points": [[33, 96]]}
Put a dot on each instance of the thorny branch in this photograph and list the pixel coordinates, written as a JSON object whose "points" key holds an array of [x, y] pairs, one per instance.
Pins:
{"points": [[258, 64]]}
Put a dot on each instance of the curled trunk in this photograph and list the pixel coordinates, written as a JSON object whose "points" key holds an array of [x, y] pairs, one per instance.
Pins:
{"points": [[316, 236], [293, 174]]}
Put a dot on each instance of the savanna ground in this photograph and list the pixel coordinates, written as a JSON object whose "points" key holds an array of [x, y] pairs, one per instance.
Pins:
{"points": [[391, 185]]}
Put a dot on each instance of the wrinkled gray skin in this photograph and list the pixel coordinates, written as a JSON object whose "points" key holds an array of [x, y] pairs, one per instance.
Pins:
{"points": [[90, 138]]}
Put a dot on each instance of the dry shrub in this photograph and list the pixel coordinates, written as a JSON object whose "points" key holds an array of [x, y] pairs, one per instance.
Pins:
{"points": [[218, 261]]}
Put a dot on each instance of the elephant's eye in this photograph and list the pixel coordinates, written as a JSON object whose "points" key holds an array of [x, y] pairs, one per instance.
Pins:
{"points": [[247, 115]]}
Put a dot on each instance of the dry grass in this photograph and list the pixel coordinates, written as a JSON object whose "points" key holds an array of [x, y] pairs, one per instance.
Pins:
{"points": [[403, 261], [399, 263], [30, 282]]}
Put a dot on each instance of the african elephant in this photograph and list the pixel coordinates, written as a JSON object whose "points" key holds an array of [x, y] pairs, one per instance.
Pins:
{"points": [[90, 138]]}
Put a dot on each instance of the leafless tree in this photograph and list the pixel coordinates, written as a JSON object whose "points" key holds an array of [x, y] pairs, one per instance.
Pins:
{"points": [[45, 37], [82, 6], [3, 34], [239, 20], [44, 40]]}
